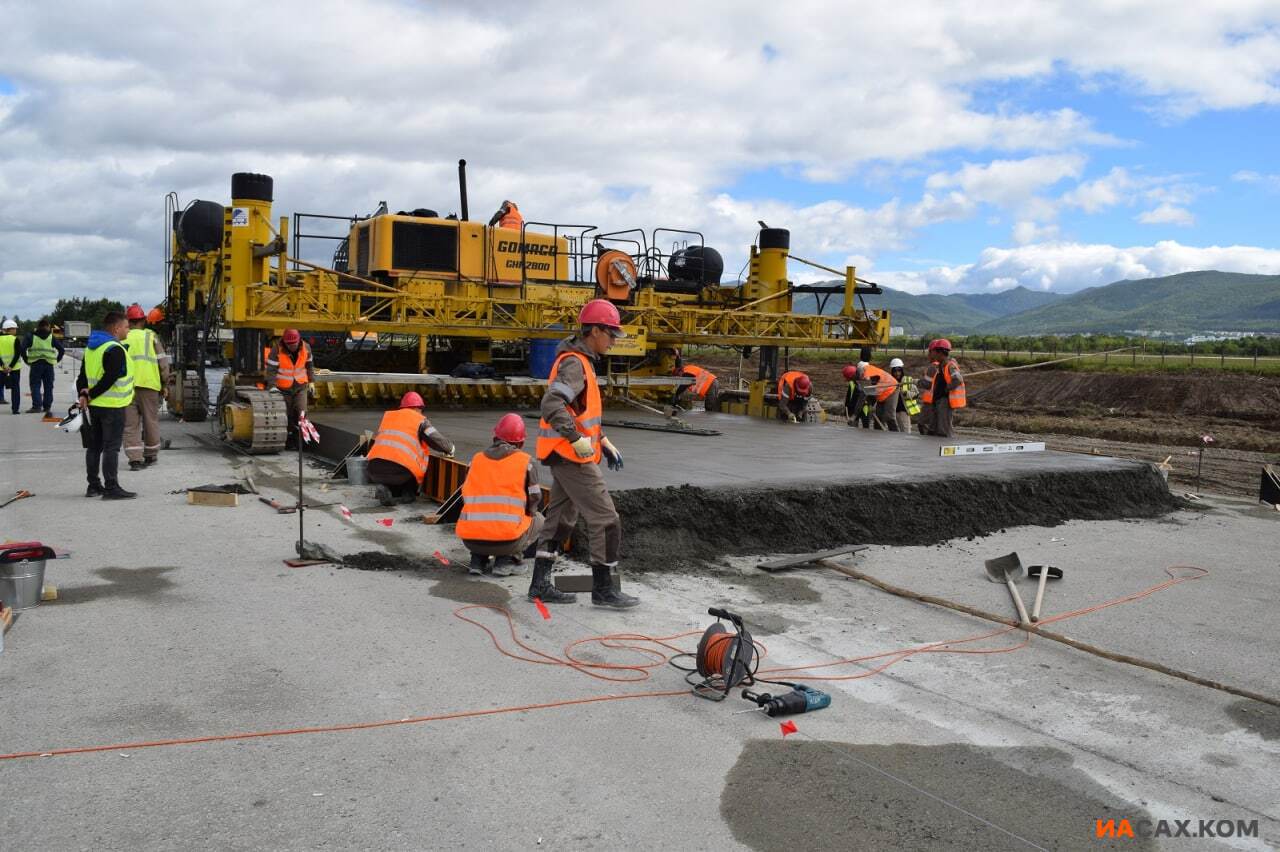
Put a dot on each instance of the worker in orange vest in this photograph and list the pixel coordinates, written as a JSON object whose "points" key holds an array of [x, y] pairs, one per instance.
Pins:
{"points": [[706, 386], [508, 216], [881, 391], [291, 373], [501, 499], [941, 391], [794, 390], [572, 443], [400, 453]]}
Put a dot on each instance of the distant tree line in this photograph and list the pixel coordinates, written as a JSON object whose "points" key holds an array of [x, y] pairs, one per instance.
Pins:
{"points": [[1260, 345], [91, 311]]}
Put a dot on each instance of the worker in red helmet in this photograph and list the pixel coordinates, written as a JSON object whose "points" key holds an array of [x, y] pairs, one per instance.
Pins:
{"points": [[501, 501], [401, 451], [151, 375], [705, 386], [291, 373], [941, 391], [794, 391], [571, 442], [857, 405]]}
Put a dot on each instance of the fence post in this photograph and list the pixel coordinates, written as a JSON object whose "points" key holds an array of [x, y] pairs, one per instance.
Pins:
{"points": [[1163, 348], [1193, 354], [1223, 351], [1106, 358], [1255, 356]]}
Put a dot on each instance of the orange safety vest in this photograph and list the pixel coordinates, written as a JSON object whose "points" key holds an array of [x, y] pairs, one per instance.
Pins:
{"points": [[397, 441], [788, 380], [512, 218], [702, 380], [290, 372], [884, 388], [494, 499], [955, 396], [587, 421]]}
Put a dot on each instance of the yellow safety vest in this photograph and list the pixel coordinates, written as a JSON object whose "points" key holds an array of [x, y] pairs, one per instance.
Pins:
{"points": [[8, 345], [41, 349], [120, 394], [141, 343]]}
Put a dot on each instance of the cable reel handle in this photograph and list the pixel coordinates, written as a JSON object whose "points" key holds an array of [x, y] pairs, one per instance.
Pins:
{"points": [[725, 614]]}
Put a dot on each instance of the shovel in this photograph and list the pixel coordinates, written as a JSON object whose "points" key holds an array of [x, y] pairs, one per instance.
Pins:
{"points": [[1003, 569], [1044, 572]]}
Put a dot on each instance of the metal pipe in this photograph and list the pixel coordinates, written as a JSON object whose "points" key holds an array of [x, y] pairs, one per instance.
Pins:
{"points": [[462, 188]]}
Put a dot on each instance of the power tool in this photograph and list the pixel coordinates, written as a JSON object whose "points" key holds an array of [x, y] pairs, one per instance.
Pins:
{"points": [[801, 699]]}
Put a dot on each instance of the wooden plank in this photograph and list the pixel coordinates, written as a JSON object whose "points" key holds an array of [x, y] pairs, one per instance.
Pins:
{"points": [[805, 558], [212, 498]]}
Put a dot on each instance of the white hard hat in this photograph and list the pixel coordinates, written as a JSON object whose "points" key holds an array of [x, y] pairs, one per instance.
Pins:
{"points": [[8, 324], [73, 421], [897, 362], [862, 365]]}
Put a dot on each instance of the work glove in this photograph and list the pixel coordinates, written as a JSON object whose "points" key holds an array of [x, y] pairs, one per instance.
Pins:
{"points": [[582, 447], [791, 418], [611, 454], [311, 390]]}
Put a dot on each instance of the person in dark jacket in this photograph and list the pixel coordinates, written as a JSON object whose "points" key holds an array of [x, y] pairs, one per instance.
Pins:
{"points": [[43, 350], [105, 385]]}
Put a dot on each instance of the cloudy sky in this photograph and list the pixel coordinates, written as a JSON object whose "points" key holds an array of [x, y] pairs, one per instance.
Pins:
{"points": [[940, 146]]}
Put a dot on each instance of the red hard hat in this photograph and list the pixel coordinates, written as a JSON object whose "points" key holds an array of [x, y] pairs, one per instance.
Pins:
{"points": [[803, 384], [135, 312], [940, 343], [290, 337], [601, 312], [409, 400], [849, 372], [510, 428], [155, 315]]}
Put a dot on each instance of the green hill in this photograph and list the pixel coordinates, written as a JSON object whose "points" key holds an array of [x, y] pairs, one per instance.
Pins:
{"points": [[1178, 304], [953, 313]]}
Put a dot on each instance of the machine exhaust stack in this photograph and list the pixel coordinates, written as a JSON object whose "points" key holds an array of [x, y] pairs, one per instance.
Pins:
{"points": [[462, 188]]}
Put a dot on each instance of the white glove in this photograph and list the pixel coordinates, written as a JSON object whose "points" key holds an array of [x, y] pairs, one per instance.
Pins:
{"points": [[583, 448]]}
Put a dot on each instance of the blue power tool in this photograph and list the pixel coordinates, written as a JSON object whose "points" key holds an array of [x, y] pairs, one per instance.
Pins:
{"points": [[801, 699]]}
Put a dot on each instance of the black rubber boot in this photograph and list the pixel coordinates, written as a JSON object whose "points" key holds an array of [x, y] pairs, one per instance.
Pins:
{"points": [[115, 492], [543, 588], [479, 564], [94, 490], [602, 593]]}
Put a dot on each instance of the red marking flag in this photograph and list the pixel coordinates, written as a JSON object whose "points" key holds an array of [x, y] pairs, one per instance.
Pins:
{"points": [[542, 608], [346, 513], [386, 522], [307, 430], [788, 727], [441, 558]]}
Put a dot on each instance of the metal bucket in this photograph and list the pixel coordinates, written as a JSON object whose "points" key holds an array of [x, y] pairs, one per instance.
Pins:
{"points": [[21, 583], [356, 470]]}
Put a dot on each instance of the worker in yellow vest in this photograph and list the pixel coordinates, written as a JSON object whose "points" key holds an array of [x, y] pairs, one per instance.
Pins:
{"points": [[150, 376], [43, 350], [105, 386], [291, 373], [908, 396], [11, 363], [501, 498], [571, 443], [400, 453]]}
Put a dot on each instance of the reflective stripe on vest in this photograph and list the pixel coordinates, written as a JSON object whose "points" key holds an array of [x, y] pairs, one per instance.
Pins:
{"points": [[141, 343], [882, 389], [512, 218], [787, 381], [702, 380], [909, 400], [955, 396], [397, 441], [41, 349], [290, 372], [120, 394], [587, 421], [8, 345], [494, 499]]}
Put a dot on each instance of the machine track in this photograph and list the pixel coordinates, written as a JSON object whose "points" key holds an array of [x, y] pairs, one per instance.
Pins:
{"points": [[255, 420]]}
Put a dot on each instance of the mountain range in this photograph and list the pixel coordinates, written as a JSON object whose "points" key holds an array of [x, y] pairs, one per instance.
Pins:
{"points": [[1186, 303]]}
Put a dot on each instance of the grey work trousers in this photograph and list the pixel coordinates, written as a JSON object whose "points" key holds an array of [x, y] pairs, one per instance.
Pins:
{"points": [[579, 489], [885, 413], [142, 425], [508, 548], [935, 419]]}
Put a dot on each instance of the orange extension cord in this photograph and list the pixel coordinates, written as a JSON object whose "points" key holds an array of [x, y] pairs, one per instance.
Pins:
{"points": [[657, 651]]}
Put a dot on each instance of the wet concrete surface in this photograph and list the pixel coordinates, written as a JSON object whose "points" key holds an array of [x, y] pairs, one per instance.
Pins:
{"points": [[779, 793]]}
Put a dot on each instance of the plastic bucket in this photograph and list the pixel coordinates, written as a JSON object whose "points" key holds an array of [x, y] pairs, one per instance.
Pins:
{"points": [[542, 357], [21, 583], [356, 468]]}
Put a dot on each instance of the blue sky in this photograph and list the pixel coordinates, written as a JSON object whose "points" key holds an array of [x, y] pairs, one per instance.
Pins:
{"points": [[940, 147]]}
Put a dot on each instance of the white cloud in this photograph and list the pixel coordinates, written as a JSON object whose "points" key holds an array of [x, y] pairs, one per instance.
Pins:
{"points": [[1029, 232], [1066, 267], [1009, 183], [1271, 182], [1167, 214]]}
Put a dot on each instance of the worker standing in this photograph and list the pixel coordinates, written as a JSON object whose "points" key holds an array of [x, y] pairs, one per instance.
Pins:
{"points": [[942, 390], [794, 390], [500, 502], [43, 350], [401, 449], [571, 442], [508, 216], [908, 396], [291, 373], [706, 386], [105, 387], [150, 376], [11, 364]]}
